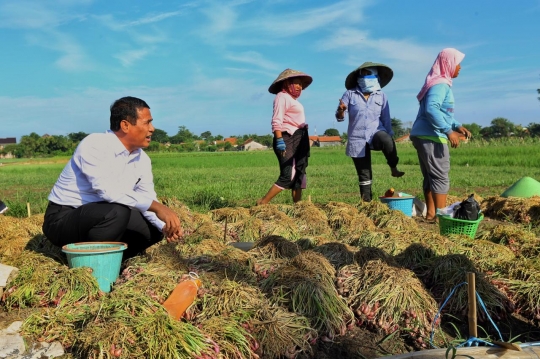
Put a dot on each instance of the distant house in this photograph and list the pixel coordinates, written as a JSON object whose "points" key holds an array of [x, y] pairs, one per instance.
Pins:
{"points": [[404, 138], [199, 143], [231, 140], [251, 145], [7, 141], [324, 141], [4, 142]]}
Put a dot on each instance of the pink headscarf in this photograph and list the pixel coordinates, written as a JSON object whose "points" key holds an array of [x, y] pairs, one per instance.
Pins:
{"points": [[442, 70]]}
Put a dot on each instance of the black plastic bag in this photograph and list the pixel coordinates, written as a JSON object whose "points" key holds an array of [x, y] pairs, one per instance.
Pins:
{"points": [[468, 210]]}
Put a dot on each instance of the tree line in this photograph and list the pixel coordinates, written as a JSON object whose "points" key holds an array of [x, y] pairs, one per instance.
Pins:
{"points": [[499, 127], [34, 145]]}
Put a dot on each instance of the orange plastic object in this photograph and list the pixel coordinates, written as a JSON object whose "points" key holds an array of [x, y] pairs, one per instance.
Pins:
{"points": [[182, 296]]}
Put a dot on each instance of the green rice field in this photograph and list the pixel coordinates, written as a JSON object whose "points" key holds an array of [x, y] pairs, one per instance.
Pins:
{"points": [[205, 181]]}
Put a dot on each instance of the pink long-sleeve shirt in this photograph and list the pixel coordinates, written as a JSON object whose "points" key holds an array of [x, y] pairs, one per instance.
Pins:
{"points": [[288, 114]]}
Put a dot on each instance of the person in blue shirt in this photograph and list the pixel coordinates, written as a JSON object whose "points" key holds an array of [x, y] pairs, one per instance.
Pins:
{"points": [[370, 125], [435, 126]]}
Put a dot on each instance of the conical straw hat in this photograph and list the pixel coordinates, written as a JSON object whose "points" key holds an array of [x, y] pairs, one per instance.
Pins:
{"points": [[275, 87], [385, 75]]}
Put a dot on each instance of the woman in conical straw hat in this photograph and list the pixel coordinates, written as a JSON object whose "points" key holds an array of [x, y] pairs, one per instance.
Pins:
{"points": [[291, 139], [435, 126], [370, 125]]}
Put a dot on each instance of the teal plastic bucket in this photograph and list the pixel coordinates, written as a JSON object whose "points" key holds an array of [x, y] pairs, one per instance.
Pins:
{"points": [[104, 258], [403, 204]]}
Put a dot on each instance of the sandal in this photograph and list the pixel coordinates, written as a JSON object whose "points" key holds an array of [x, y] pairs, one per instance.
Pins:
{"points": [[429, 220]]}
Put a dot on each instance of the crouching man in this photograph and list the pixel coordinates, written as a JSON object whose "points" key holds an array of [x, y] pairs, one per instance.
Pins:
{"points": [[106, 191]]}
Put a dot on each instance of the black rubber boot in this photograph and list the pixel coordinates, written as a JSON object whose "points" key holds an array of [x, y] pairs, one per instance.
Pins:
{"points": [[365, 193]]}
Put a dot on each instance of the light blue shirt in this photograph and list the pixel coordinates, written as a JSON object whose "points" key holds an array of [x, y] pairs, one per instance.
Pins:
{"points": [[436, 113], [103, 170], [366, 117]]}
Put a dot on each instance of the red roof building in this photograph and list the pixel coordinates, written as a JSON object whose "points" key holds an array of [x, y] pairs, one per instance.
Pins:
{"points": [[324, 141], [232, 140]]}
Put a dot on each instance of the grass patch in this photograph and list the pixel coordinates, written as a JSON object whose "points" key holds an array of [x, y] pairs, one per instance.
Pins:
{"points": [[206, 181]]}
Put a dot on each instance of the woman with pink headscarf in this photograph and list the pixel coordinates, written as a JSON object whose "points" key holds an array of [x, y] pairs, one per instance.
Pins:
{"points": [[435, 127]]}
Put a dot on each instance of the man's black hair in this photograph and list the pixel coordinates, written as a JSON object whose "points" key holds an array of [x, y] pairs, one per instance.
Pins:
{"points": [[126, 109]]}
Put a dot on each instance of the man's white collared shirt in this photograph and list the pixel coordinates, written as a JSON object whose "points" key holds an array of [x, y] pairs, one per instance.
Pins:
{"points": [[103, 170]]}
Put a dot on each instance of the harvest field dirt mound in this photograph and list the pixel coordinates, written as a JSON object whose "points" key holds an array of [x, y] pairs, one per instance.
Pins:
{"points": [[327, 280]]}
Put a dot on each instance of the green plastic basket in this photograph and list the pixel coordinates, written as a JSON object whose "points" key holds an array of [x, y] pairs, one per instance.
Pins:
{"points": [[449, 225], [104, 258]]}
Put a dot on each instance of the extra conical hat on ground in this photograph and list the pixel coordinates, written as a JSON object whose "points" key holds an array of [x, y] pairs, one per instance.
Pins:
{"points": [[525, 187], [276, 86]]}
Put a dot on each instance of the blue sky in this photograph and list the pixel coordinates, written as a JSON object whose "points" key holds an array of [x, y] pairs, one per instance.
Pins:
{"points": [[207, 65]]}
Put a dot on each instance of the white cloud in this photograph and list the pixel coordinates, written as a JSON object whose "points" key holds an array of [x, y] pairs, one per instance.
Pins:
{"points": [[232, 27], [296, 23], [110, 22], [481, 94], [35, 15], [72, 55], [246, 45], [117, 25], [239, 2], [150, 36], [344, 38], [252, 58], [42, 22], [497, 83], [354, 41], [409, 60], [222, 19], [146, 38], [154, 18], [244, 105], [244, 70], [483, 110], [73, 61], [39, 114], [267, 27], [127, 58], [87, 110], [26, 16]]}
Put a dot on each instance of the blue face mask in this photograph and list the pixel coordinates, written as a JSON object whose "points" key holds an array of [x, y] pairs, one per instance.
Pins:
{"points": [[368, 83]]}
